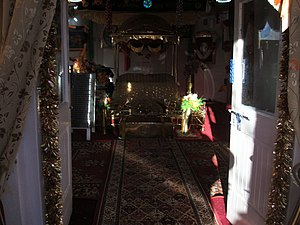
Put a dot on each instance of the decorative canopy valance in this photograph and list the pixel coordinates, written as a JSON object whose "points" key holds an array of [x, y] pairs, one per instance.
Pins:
{"points": [[145, 26]]}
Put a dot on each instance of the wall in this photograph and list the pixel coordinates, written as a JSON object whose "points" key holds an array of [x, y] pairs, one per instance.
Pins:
{"points": [[103, 54], [217, 69]]}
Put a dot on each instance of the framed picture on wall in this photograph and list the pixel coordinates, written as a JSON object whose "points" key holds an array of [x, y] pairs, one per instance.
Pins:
{"points": [[77, 37], [106, 36], [205, 46]]}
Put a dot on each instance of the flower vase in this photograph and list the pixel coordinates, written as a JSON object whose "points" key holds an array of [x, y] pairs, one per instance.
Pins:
{"points": [[185, 120]]}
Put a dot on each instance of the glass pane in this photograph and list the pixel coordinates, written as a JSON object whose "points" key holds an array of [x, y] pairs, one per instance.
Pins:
{"points": [[261, 35]]}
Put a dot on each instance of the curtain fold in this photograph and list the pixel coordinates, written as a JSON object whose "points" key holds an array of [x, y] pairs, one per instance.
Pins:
{"points": [[290, 16], [25, 26], [294, 66]]}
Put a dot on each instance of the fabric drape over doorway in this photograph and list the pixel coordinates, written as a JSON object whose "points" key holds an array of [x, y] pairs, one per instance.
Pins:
{"points": [[288, 124], [294, 66], [290, 13], [24, 30]]}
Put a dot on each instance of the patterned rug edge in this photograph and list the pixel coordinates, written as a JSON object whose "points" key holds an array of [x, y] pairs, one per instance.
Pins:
{"points": [[99, 207]]}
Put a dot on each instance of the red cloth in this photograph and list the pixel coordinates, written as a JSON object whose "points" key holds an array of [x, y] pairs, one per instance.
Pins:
{"points": [[218, 206]]}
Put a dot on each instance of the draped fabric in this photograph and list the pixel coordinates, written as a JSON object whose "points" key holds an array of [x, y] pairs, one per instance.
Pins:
{"points": [[290, 12], [290, 15], [24, 29], [294, 66], [282, 6]]}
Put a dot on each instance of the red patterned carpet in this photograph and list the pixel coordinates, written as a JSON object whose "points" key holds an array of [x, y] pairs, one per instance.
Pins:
{"points": [[90, 164], [89, 173], [209, 163], [150, 177], [152, 183], [205, 161]]}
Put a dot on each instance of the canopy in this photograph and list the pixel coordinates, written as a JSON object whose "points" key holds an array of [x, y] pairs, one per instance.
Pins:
{"points": [[145, 26]]}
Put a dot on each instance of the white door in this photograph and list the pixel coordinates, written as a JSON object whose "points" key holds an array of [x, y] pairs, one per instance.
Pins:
{"points": [[255, 69], [65, 115]]}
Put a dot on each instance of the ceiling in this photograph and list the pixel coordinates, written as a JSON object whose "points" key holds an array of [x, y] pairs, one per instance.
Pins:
{"points": [[191, 10], [137, 5]]}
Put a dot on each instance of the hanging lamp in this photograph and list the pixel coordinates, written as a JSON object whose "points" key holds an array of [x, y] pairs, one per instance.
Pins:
{"points": [[223, 1], [147, 4]]}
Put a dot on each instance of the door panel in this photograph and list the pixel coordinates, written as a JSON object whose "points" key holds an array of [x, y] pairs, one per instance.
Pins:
{"points": [[65, 115], [253, 119], [249, 179]]}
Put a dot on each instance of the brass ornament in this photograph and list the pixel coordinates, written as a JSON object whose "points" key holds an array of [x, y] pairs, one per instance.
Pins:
{"points": [[154, 50], [136, 46]]}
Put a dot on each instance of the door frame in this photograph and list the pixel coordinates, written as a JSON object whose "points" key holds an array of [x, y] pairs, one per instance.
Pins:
{"points": [[65, 116]]}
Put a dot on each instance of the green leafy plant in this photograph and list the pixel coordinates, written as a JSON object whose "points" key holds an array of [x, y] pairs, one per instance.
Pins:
{"points": [[191, 101]]}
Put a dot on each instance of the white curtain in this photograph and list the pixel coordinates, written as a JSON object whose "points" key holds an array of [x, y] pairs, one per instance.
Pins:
{"points": [[294, 66], [24, 28], [290, 16]]}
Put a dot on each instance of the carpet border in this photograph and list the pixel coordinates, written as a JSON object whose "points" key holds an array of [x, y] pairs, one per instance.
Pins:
{"points": [[201, 189], [100, 201]]}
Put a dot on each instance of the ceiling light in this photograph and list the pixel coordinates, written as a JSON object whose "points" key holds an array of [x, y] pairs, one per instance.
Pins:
{"points": [[147, 4], [223, 1], [75, 0]]}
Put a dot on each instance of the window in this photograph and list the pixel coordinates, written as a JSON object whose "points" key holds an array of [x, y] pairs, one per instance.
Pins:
{"points": [[261, 34]]}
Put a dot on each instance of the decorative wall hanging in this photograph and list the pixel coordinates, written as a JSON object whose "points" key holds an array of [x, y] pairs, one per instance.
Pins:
{"points": [[205, 46]]}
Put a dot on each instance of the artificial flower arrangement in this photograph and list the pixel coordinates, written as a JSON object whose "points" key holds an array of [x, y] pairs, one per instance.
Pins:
{"points": [[103, 103], [190, 103]]}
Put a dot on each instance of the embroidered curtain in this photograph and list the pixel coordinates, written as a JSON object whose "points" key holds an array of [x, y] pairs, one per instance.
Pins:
{"points": [[294, 66], [289, 118], [290, 13], [24, 29]]}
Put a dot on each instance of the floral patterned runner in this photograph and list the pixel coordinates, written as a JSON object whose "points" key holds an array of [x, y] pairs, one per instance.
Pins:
{"points": [[152, 183]]}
